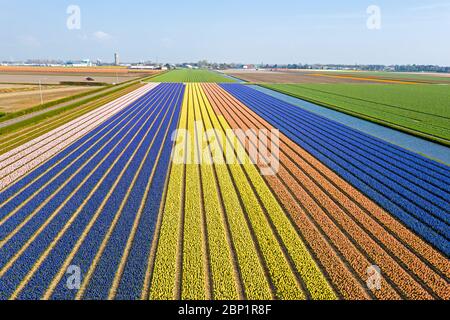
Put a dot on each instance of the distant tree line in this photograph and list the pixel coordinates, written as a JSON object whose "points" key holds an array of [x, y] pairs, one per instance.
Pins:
{"points": [[204, 64], [372, 67]]}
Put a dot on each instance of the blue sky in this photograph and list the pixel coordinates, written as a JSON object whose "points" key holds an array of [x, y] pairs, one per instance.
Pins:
{"points": [[248, 31]]}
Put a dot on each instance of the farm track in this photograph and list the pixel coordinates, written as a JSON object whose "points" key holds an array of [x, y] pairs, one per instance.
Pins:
{"points": [[65, 226], [417, 197], [285, 265], [341, 226]]}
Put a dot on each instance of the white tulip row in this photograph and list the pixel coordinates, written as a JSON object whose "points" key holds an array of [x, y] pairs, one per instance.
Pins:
{"points": [[16, 163]]}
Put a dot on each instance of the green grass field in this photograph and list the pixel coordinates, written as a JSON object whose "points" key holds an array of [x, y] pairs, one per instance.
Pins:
{"points": [[187, 75], [423, 110]]}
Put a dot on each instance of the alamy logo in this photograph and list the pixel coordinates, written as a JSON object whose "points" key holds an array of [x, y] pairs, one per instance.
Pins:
{"points": [[207, 147], [74, 278], [374, 20], [74, 19], [374, 278]]}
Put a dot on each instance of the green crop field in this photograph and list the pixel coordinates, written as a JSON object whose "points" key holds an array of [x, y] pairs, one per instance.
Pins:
{"points": [[188, 75], [423, 110]]}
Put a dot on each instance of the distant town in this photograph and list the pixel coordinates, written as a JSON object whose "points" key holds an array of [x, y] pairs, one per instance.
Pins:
{"points": [[204, 64]]}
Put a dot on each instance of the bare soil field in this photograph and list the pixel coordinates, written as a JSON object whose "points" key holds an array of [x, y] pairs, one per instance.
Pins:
{"points": [[56, 79], [324, 77], [363, 78], [375, 76], [23, 97], [74, 70], [14, 88], [442, 75], [287, 77], [55, 75]]}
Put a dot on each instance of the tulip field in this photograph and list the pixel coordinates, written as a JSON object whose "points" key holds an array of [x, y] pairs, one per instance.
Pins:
{"points": [[157, 195]]}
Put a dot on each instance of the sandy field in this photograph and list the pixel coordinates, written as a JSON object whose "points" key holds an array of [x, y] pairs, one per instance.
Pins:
{"points": [[55, 75], [15, 88], [24, 97], [443, 75], [56, 79], [75, 70], [328, 76]]}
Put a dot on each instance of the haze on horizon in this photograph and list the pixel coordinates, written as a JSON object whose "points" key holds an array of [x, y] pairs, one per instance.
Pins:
{"points": [[252, 31]]}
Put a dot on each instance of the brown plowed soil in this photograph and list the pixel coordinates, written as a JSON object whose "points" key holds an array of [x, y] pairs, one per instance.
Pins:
{"points": [[24, 99], [288, 77], [345, 230], [70, 70], [324, 77], [56, 75]]}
